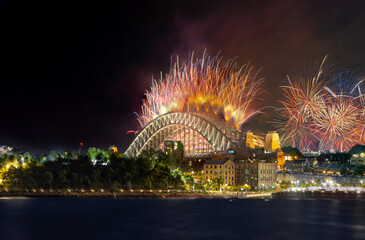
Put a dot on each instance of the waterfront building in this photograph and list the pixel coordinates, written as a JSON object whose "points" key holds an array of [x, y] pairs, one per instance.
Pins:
{"points": [[334, 168], [258, 174], [297, 166], [224, 169], [358, 159]]}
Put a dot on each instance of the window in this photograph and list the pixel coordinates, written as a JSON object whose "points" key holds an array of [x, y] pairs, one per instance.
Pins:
{"points": [[206, 172], [215, 173], [215, 166], [211, 171]]}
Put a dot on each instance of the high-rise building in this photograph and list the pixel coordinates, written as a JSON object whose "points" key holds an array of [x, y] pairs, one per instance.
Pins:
{"points": [[272, 141]]}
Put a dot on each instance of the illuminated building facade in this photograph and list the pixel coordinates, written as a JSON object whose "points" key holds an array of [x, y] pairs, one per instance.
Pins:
{"points": [[224, 169], [259, 175], [248, 137], [280, 160], [358, 159], [272, 141]]}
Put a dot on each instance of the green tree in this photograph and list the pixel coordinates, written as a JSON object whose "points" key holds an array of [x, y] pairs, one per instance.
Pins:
{"points": [[359, 170], [47, 179], [357, 149], [292, 151], [218, 182], [53, 155]]}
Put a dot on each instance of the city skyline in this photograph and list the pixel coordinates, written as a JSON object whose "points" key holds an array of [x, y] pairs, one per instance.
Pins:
{"points": [[80, 78]]}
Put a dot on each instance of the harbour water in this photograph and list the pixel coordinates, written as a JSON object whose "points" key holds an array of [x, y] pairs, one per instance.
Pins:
{"points": [[107, 218]]}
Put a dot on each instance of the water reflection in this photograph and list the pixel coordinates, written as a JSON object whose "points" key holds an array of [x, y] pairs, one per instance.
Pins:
{"points": [[181, 219]]}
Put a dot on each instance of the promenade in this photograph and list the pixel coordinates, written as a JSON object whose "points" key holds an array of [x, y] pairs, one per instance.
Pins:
{"points": [[132, 194]]}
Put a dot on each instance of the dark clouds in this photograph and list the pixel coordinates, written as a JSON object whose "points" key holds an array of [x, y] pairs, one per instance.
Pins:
{"points": [[78, 72]]}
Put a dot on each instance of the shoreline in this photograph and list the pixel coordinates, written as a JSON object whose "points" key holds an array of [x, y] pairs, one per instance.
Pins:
{"points": [[135, 194], [318, 195], [301, 195]]}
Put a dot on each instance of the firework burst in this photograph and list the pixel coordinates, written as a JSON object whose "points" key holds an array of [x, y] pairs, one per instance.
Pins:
{"points": [[205, 85], [322, 110]]}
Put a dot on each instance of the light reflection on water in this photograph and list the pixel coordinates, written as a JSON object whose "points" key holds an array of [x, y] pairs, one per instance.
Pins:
{"points": [[180, 219]]}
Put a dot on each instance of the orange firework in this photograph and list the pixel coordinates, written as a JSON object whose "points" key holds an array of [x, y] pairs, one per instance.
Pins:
{"points": [[205, 85], [322, 110]]}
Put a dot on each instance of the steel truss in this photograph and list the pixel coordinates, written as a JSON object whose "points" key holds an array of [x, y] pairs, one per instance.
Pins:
{"points": [[217, 133]]}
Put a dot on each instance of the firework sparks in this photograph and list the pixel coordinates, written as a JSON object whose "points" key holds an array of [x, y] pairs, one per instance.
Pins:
{"points": [[322, 110], [205, 85]]}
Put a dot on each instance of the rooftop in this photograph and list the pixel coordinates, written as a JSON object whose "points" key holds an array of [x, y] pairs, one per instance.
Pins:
{"points": [[216, 161]]}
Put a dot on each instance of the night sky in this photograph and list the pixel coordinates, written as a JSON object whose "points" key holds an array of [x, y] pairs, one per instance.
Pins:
{"points": [[73, 72]]}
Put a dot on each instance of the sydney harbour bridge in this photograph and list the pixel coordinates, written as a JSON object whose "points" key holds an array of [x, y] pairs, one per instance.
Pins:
{"points": [[200, 133]]}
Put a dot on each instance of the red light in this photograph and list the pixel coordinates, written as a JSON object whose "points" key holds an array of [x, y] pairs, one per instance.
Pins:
{"points": [[81, 143]]}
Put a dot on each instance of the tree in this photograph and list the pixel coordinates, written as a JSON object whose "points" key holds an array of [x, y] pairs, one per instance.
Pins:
{"points": [[292, 151], [217, 183], [98, 155], [92, 153], [27, 157], [359, 170], [357, 149], [53, 155], [47, 179]]}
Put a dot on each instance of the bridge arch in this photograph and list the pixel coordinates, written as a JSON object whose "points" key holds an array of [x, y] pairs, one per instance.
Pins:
{"points": [[191, 126]]}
